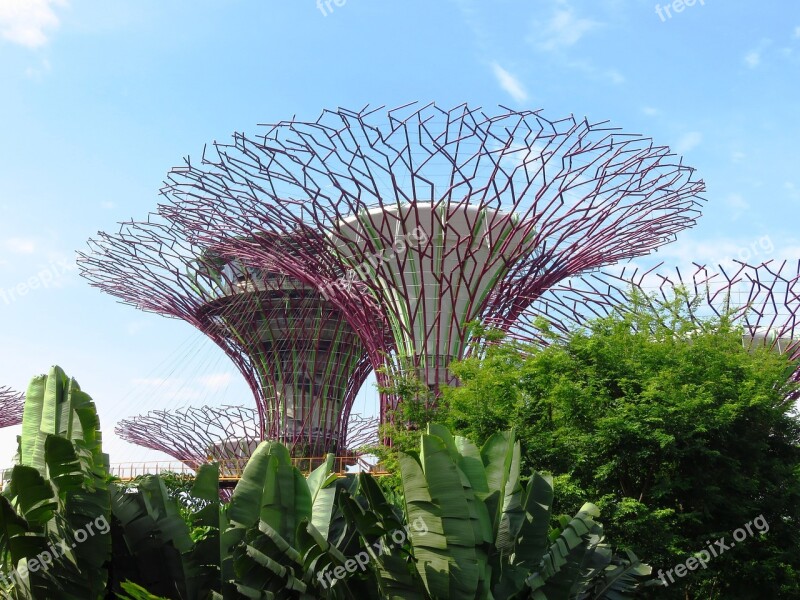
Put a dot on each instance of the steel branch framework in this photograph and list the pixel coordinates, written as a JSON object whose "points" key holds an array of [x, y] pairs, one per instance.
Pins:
{"points": [[195, 436], [438, 217], [12, 404], [764, 300], [225, 434], [301, 359]]}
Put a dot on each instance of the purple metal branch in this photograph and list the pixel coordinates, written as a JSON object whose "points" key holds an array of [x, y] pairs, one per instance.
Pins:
{"points": [[299, 356], [12, 404], [225, 434], [437, 217], [764, 300], [196, 436]]}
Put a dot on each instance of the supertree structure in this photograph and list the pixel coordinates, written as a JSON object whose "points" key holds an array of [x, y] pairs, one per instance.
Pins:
{"points": [[225, 434], [438, 217], [12, 404], [301, 359], [196, 435], [762, 300]]}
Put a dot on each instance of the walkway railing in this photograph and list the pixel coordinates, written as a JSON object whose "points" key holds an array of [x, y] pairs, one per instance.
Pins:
{"points": [[231, 469]]}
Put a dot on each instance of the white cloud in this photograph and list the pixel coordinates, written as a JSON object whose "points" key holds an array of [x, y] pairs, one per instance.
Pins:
{"points": [[509, 83], [737, 204], [155, 381], [37, 73], [615, 76], [797, 32], [26, 22], [165, 390], [752, 59], [688, 142], [564, 28], [20, 245], [722, 252], [216, 381], [738, 157], [650, 111], [134, 327], [755, 57]]}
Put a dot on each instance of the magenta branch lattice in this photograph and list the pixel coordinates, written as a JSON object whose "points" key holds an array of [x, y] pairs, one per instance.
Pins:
{"points": [[301, 359], [763, 300], [12, 404], [417, 221]]}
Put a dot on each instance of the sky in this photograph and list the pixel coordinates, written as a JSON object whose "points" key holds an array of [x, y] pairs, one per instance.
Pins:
{"points": [[99, 99]]}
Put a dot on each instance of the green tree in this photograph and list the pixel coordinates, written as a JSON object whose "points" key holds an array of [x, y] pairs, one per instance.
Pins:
{"points": [[681, 434]]}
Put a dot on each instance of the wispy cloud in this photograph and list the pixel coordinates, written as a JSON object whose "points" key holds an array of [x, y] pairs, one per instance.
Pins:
{"points": [[792, 190], [688, 141], [134, 327], [17, 245], [650, 111], [27, 22], [564, 28], [797, 32], [615, 76], [509, 83], [737, 204], [752, 59], [596, 73], [169, 389], [721, 251], [216, 381], [37, 73]]}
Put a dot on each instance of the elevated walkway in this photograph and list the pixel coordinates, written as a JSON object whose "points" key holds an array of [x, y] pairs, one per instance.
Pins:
{"points": [[230, 470]]}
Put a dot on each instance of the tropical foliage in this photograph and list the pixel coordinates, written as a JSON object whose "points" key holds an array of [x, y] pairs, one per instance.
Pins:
{"points": [[682, 435], [469, 526]]}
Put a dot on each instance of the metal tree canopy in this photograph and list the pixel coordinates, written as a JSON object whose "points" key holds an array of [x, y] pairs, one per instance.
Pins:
{"points": [[302, 360], [763, 300], [436, 217], [195, 436], [12, 405], [224, 434]]}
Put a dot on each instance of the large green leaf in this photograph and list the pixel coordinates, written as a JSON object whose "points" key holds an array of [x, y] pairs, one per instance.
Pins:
{"points": [[430, 552], [207, 523], [32, 420], [33, 494], [322, 487], [450, 491], [559, 572]]}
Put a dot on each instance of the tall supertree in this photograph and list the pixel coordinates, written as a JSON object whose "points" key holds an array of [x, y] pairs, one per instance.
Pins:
{"points": [[439, 217], [225, 434], [763, 300], [301, 359], [12, 405]]}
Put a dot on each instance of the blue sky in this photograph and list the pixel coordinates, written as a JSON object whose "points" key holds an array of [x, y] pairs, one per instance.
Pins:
{"points": [[99, 99]]}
